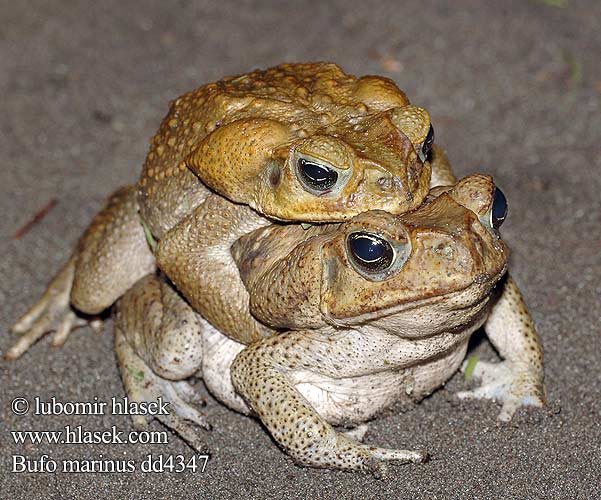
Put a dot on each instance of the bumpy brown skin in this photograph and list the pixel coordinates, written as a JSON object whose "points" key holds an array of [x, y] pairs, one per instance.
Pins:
{"points": [[242, 137], [303, 279], [233, 133]]}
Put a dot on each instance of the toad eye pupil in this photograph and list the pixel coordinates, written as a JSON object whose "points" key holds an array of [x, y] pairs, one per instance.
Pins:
{"points": [[370, 252], [317, 176], [499, 209], [427, 145]]}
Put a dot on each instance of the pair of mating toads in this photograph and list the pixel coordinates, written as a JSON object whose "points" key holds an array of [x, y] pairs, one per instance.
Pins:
{"points": [[369, 303]]}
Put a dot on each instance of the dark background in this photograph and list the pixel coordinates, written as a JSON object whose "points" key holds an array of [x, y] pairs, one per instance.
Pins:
{"points": [[513, 88]]}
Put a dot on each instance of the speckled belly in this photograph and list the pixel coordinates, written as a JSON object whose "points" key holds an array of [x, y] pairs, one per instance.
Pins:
{"points": [[354, 400]]}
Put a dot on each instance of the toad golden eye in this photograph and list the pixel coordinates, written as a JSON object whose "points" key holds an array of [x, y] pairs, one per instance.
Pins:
{"points": [[370, 252], [315, 176], [498, 212]]}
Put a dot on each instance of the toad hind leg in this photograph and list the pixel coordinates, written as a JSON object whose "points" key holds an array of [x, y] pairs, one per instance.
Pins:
{"points": [[159, 344], [259, 375], [109, 258], [518, 379], [143, 385]]}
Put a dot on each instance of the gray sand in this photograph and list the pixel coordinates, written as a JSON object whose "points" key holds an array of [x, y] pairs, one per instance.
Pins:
{"points": [[514, 89]]}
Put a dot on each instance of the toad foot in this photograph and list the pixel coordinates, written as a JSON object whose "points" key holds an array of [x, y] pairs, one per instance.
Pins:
{"points": [[511, 385], [143, 385], [53, 312]]}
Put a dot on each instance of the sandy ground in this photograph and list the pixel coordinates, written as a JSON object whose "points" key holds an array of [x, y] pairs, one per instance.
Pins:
{"points": [[514, 89]]}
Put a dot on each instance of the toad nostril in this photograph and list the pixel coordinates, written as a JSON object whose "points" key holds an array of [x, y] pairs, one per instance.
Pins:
{"points": [[445, 251], [274, 175], [384, 183]]}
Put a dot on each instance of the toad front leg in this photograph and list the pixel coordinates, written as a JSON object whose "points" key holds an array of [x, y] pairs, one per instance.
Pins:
{"points": [[442, 173], [518, 379], [262, 373], [196, 256], [109, 258], [158, 341]]}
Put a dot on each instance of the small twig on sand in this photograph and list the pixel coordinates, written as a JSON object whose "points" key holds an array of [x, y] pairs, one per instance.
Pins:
{"points": [[35, 219]]}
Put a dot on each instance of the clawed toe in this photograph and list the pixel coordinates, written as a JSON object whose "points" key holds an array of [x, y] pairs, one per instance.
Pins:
{"points": [[180, 403], [52, 312]]}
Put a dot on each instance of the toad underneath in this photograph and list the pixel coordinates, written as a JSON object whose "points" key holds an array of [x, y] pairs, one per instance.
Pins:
{"points": [[370, 312]]}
